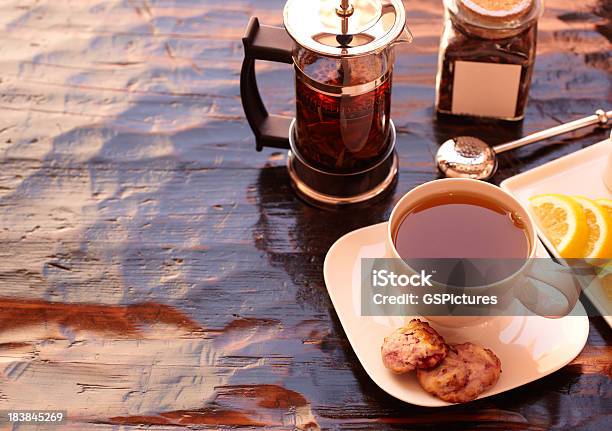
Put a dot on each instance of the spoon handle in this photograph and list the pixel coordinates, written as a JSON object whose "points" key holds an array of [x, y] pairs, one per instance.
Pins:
{"points": [[601, 117]]}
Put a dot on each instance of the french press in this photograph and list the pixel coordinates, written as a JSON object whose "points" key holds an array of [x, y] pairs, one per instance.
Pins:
{"points": [[342, 141]]}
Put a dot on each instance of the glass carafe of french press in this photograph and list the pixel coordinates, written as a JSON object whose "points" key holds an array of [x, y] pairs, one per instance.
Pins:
{"points": [[342, 140]]}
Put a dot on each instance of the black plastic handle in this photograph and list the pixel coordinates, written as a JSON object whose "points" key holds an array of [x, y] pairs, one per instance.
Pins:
{"points": [[263, 42]]}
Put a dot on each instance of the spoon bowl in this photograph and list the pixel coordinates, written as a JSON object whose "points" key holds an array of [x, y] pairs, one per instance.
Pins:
{"points": [[466, 157]]}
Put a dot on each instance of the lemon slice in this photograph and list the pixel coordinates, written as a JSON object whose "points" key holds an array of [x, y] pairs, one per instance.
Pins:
{"points": [[599, 242], [563, 221]]}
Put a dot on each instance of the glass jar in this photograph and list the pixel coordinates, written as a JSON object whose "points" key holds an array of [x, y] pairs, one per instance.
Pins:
{"points": [[487, 55]]}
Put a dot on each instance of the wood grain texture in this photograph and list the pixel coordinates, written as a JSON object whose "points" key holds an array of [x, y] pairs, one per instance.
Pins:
{"points": [[156, 271]]}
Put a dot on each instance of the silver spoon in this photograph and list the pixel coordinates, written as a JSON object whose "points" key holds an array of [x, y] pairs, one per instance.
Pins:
{"points": [[469, 157]]}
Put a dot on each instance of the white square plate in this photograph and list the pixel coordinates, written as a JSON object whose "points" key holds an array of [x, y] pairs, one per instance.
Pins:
{"points": [[529, 347], [579, 173]]}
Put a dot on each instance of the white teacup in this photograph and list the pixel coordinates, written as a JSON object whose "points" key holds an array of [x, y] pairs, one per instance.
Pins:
{"points": [[507, 289]]}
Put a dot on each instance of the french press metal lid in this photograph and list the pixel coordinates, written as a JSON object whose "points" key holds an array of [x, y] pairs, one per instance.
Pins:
{"points": [[345, 28]]}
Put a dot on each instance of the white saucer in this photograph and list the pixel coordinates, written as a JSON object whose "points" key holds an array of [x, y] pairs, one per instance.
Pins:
{"points": [[578, 173], [528, 347]]}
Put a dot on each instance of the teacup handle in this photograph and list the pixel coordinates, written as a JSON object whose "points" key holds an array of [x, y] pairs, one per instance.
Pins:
{"points": [[561, 278], [263, 42]]}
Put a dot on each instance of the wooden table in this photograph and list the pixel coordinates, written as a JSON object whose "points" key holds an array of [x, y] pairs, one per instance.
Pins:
{"points": [[155, 270]]}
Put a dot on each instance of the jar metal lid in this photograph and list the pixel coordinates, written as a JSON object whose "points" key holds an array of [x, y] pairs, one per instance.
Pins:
{"points": [[500, 10], [496, 14], [341, 28]]}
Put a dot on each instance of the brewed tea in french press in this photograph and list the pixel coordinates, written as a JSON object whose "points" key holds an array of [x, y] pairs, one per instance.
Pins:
{"points": [[342, 141]]}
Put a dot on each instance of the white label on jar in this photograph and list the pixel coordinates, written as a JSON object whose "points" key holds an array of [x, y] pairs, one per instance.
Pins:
{"points": [[486, 89]]}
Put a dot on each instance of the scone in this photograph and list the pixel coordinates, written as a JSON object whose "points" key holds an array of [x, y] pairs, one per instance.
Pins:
{"points": [[466, 372], [415, 345]]}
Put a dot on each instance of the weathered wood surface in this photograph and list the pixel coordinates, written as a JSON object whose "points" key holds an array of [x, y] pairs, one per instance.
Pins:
{"points": [[156, 271]]}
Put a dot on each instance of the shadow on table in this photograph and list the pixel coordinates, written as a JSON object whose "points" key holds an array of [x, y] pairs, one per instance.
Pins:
{"points": [[296, 236]]}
